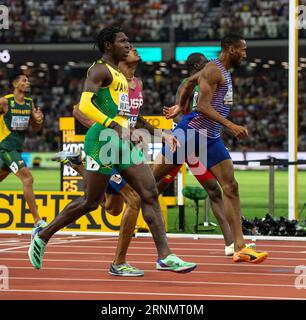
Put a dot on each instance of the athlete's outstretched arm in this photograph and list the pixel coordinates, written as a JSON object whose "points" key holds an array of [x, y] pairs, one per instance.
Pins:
{"points": [[209, 79], [187, 89], [81, 118], [182, 99]]}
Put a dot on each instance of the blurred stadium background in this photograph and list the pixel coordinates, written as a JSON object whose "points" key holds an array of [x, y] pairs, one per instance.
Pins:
{"points": [[51, 42]]}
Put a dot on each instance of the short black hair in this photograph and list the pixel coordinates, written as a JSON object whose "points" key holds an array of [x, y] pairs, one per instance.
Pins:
{"points": [[194, 58], [231, 39], [107, 34], [15, 77]]}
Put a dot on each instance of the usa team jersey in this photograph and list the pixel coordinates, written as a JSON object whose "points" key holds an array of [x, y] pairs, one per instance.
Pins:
{"points": [[136, 102], [222, 102]]}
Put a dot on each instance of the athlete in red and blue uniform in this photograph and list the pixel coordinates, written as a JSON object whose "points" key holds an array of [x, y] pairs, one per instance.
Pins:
{"points": [[213, 107], [196, 62]]}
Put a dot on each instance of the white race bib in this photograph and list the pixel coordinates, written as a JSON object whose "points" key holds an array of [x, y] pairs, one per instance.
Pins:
{"points": [[228, 99], [20, 122], [116, 178], [133, 121], [195, 100], [14, 167], [124, 105], [91, 164]]}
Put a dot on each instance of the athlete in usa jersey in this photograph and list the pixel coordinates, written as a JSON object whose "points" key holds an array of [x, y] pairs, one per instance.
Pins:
{"points": [[213, 106], [196, 62]]}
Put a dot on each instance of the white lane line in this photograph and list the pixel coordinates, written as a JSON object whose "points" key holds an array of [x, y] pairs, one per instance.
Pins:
{"points": [[206, 256], [215, 283], [2, 242], [118, 293], [7, 250], [205, 243], [156, 271], [19, 242], [132, 247], [193, 243], [67, 242], [81, 240], [229, 264]]}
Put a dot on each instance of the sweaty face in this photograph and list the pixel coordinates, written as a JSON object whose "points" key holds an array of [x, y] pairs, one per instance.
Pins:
{"points": [[22, 84], [238, 53], [121, 46]]}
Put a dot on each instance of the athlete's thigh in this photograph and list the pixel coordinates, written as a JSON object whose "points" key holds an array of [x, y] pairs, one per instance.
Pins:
{"points": [[3, 174], [160, 168], [204, 176], [224, 171], [24, 173], [129, 194], [113, 203], [140, 178], [96, 185]]}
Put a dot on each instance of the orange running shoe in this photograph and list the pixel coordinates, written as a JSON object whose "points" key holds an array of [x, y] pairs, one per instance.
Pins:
{"points": [[249, 255]]}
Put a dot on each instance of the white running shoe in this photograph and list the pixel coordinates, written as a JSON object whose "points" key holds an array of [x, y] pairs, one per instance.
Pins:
{"points": [[229, 250]]}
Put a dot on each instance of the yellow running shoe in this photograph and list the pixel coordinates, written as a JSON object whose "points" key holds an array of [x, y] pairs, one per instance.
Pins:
{"points": [[249, 255]]}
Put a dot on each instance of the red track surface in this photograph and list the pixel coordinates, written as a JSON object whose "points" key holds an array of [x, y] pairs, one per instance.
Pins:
{"points": [[77, 268]]}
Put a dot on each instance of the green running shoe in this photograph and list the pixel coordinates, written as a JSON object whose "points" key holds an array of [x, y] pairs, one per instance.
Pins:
{"points": [[175, 264], [125, 270], [36, 250]]}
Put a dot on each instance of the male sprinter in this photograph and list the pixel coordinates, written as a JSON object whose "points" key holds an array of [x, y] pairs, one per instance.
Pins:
{"points": [[118, 191], [213, 106], [105, 96], [17, 112], [195, 62]]}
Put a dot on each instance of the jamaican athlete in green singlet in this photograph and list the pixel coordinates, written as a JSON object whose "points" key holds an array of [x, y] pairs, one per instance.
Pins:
{"points": [[113, 101]]}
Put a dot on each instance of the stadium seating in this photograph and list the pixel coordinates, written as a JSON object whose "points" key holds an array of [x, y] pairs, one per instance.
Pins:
{"points": [[78, 21]]}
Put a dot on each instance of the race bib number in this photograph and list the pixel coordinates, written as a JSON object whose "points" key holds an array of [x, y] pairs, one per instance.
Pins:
{"points": [[228, 99], [133, 121], [91, 164], [195, 101], [20, 122], [116, 178], [14, 167], [123, 106]]}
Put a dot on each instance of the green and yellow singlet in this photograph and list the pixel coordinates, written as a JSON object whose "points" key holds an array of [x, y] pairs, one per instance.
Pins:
{"points": [[113, 100], [14, 124]]}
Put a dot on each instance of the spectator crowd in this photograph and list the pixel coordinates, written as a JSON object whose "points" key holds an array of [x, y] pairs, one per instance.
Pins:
{"points": [[144, 20], [260, 102]]}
